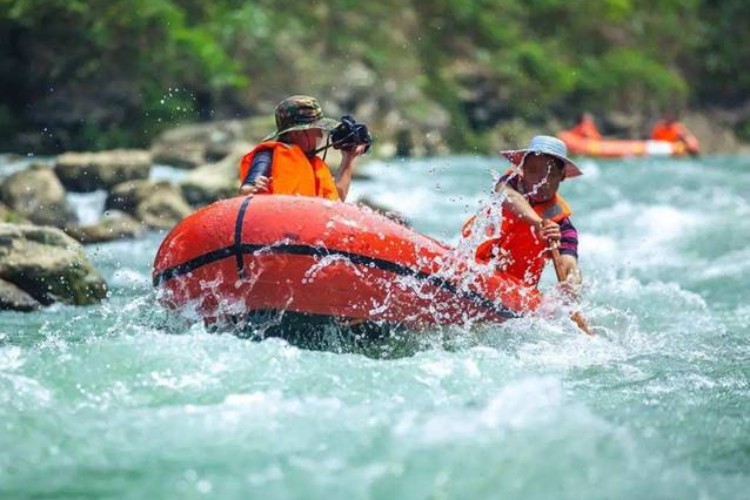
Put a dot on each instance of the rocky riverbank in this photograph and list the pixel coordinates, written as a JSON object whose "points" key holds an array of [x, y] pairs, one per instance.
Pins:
{"points": [[41, 255], [42, 260]]}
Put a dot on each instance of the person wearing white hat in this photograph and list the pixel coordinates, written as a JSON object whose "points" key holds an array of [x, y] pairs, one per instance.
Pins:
{"points": [[535, 218]]}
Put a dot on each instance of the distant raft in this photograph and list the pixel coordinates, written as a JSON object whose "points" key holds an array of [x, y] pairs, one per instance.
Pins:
{"points": [[615, 148], [288, 257]]}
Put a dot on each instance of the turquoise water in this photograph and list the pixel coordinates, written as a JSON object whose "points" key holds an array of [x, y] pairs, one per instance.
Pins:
{"points": [[101, 402]]}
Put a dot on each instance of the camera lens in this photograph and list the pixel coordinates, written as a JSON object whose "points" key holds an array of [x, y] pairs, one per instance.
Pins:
{"points": [[349, 134]]}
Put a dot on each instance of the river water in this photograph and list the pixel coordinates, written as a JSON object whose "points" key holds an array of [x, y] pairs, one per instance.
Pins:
{"points": [[102, 402]]}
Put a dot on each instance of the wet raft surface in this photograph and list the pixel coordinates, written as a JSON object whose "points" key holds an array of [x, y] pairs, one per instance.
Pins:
{"points": [[312, 256]]}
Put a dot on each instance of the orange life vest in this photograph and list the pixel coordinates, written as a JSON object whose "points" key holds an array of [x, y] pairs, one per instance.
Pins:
{"points": [[675, 132], [517, 249], [586, 128], [292, 172], [670, 132]]}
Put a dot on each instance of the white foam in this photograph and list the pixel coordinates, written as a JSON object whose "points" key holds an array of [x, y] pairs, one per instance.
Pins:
{"points": [[168, 173], [88, 206], [519, 403], [11, 358]]}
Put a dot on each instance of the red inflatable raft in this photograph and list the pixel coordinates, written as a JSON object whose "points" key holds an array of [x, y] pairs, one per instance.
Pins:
{"points": [[615, 148], [317, 258]]}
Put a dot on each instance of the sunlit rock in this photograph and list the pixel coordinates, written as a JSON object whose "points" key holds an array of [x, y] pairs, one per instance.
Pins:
{"points": [[190, 146], [48, 265], [115, 225], [714, 130], [158, 205], [37, 195], [181, 155], [8, 215], [215, 181], [84, 172]]}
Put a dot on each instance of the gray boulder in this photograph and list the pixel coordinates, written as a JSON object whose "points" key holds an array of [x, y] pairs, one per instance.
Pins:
{"points": [[716, 135], [115, 225], [158, 205], [48, 265], [215, 181], [191, 146], [85, 172], [13, 298], [37, 195], [181, 155]]}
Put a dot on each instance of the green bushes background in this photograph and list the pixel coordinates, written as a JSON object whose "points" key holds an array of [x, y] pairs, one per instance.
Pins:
{"points": [[104, 73]]}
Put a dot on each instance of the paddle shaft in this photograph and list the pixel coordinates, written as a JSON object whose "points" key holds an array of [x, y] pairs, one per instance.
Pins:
{"points": [[577, 317]]}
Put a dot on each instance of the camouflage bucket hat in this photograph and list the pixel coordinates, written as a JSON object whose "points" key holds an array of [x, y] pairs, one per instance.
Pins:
{"points": [[300, 112]]}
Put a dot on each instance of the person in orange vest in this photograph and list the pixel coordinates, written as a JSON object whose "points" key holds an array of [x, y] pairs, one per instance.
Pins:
{"points": [[535, 217], [286, 162], [586, 127], [670, 130]]}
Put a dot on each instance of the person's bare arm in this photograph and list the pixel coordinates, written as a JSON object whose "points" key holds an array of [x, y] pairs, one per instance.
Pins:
{"points": [[520, 207], [571, 271], [344, 175], [571, 285], [517, 204]]}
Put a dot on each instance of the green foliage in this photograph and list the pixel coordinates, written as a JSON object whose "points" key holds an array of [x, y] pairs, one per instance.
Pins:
{"points": [[7, 121], [624, 79], [99, 70], [724, 55], [743, 130]]}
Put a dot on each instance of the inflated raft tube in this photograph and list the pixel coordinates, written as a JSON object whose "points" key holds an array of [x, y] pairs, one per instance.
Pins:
{"points": [[313, 258], [613, 148]]}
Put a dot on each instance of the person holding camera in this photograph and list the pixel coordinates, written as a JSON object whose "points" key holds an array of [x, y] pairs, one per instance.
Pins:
{"points": [[287, 161]]}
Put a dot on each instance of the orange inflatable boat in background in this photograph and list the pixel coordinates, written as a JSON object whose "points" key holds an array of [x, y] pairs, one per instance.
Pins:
{"points": [[301, 257], [615, 148]]}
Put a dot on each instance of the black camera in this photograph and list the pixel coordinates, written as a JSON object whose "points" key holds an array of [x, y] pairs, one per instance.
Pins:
{"points": [[349, 134]]}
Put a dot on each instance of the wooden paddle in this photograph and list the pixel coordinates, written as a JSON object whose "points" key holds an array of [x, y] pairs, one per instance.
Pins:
{"points": [[576, 317]]}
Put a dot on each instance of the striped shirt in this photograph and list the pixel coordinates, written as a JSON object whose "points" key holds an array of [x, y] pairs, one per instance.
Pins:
{"points": [[568, 232]]}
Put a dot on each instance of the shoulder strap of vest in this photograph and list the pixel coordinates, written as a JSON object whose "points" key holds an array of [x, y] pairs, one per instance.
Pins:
{"points": [[248, 158], [555, 210]]}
